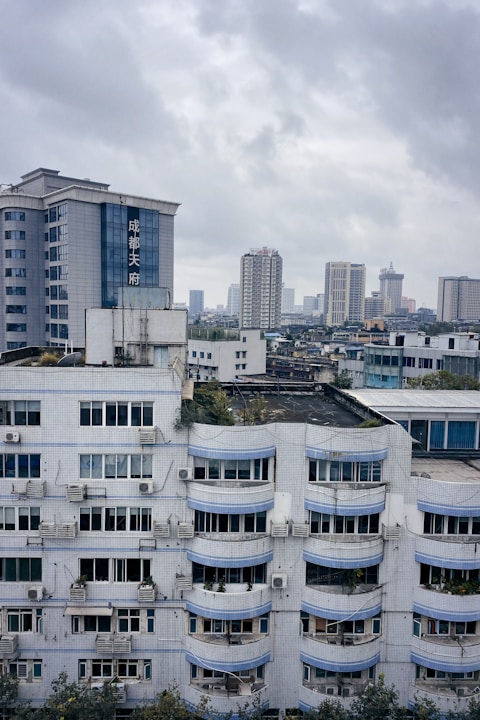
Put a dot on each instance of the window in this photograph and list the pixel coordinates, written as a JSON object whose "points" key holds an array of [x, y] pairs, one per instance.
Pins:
{"points": [[206, 469], [62, 292], [336, 471], [14, 234], [116, 519], [16, 215], [24, 620], [15, 253], [52, 216], [19, 412], [459, 581], [116, 466], [444, 627], [204, 573], [434, 524], [23, 670], [16, 327], [101, 670], [200, 674], [63, 237], [206, 522], [62, 211], [320, 575], [96, 412], [331, 524], [19, 518], [15, 272], [63, 272], [20, 569], [19, 466], [16, 309], [63, 331], [115, 570], [16, 290], [91, 623]]}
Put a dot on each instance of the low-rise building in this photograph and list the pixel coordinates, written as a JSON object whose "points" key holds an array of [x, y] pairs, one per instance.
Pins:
{"points": [[223, 354]]}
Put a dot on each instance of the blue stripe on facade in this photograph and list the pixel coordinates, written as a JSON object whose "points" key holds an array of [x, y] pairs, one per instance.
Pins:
{"points": [[230, 508], [347, 456], [457, 616], [224, 454], [446, 666], [333, 508], [337, 666], [216, 561], [441, 509], [451, 563], [227, 666], [228, 614], [330, 614], [342, 563]]}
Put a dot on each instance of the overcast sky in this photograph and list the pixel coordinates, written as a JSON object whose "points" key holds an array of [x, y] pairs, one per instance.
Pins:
{"points": [[327, 129]]}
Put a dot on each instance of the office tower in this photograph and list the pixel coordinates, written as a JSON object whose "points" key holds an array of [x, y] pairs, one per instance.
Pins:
{"points": [[458, 299], [344, 292], [288, 300], [408, 304], [391, 287], [376, 306], [261, 289], [195, 307], [233, 300], [71, 244]]}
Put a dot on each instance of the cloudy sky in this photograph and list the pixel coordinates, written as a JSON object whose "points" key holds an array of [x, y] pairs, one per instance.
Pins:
{"points": [[327, 129]]}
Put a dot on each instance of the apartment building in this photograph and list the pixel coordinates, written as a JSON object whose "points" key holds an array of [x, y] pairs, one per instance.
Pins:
{"points": [[344, 292], [458, 299], [280, 564], [223, 354], [261, 289]]}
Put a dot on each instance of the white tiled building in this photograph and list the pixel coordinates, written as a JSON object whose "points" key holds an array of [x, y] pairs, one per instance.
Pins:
{"points": [[236, 353], [290, 561]]}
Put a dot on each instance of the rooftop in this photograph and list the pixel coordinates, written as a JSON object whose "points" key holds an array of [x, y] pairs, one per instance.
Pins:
{"points": [[448, 470], [389, 400]]}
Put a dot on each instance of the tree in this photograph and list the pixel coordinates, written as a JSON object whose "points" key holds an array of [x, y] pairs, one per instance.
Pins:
{"points": [[255, 410], [72, 701], [210, 405], [343, 380], [377, 702], [444, 380], [327, 710], [168, 705]]}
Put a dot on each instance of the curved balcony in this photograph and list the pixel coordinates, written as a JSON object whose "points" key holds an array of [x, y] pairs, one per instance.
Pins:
{"points": [[242, 553], [337, 603], [346, 552], [236, 603], [310, 695], [444, 606], [444, 697], [215, 648], [222, 703], [445, 653], [213, 441], [339, 654], [364, 443], [456, 497], [335, 499], [453, 553], [210, 498]]}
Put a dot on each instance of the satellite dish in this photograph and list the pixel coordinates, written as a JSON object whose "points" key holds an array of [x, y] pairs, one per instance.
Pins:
{"points": [[71, 359]]}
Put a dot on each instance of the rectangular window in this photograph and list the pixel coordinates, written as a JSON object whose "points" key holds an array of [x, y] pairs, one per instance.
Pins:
{"points": [[210, 469], [116, 414], [116, 466], [24, 620], [14, 234], [16, 290], [16, 309], [15, 272], [336, 471], [16, 215], [20, 569], [19, 466], [20, 412], [19, 518], [16, 253]]}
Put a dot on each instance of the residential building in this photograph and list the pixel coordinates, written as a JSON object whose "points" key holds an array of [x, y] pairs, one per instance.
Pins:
{"points": [[70, 244], [222, 354], [233, 301], [288, 300], [458, 299], [409, 304], [261, 289], [196, 303], [376, 306], [344, 292], [391, 287]]}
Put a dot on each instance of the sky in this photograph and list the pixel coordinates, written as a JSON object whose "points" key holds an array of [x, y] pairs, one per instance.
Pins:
{"points": [[327, 129]]}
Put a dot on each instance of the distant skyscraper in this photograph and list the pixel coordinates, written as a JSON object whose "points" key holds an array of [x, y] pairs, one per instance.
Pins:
{"points": [[409, 304], [288, 300], [458, 299], [195, 305], [375, 305], [344, 292], [391, 287], [261, 289], [233, 300]]}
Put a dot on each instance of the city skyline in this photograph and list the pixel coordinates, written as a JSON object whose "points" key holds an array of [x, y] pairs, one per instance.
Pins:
{"points": [[262, 138]]}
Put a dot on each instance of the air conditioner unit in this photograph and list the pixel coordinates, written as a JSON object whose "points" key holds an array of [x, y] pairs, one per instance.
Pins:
{"points": [[12, 437], [35, 593], [145, 487], [462, 691], [148, 436], [185, 473], [279, 581], [76, 493], [347, 691], [331, 690]]}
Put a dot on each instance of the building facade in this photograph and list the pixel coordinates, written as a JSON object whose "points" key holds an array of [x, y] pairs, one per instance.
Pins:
{"points": [[391, 284], [458, 299], [344, 292], [261, 289], [223, 355], [70, 244], [196, 303]]}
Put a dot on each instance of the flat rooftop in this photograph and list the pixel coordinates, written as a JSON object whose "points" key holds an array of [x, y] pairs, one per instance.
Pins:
{"points": [[448, 470], [391, 400]]}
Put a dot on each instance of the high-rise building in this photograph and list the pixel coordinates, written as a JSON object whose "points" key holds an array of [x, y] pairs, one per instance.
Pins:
{"points": [[344, 292], [288, 300], [391, 287], [71, 244], [233, 299], [458, 299], [261, 289], [196, 303], [376, 306]]}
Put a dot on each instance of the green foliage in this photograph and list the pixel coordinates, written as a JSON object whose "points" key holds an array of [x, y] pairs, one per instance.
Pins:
{"points": [[370, 423], [168, 705], [425, 709], [327, 710], [72, 701], [377, 702], [444, 380], [8, 691], [210, 405], [343, 380], [48, 359], [255, 410]]}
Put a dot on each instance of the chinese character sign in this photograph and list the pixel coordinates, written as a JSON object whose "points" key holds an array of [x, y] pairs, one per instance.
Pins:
{"points": [[133, 246]]}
